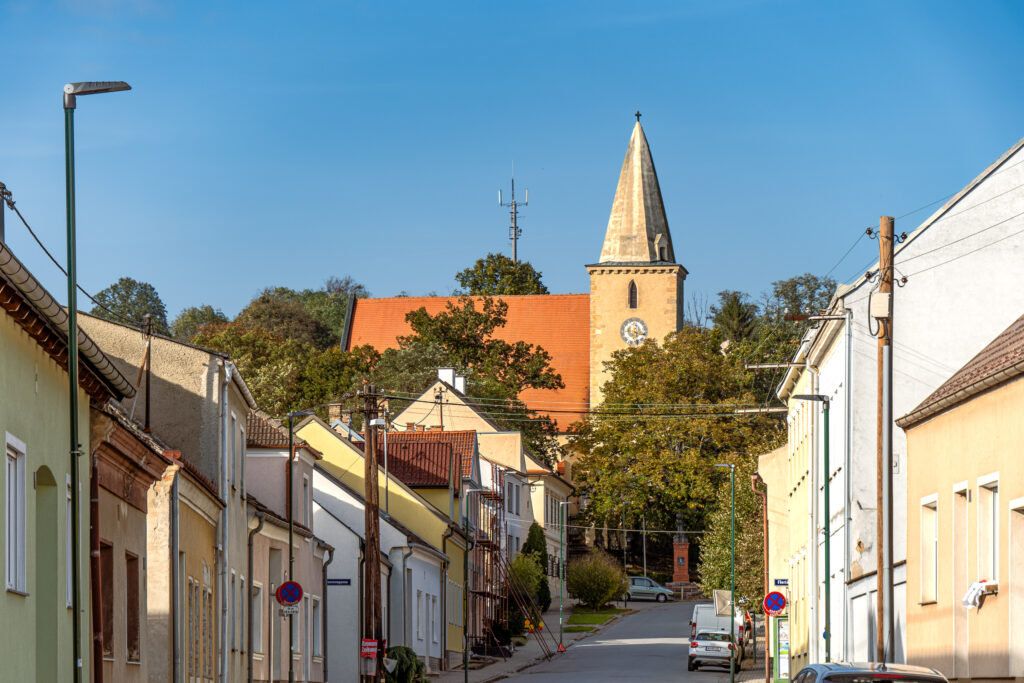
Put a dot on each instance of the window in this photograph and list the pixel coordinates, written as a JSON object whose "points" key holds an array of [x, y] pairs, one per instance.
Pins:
{"points": [[107, 604], [517, 545], [67, 546], [929, 560], [208, 632], [304, 624], [241, 459], [988, 529], [435, 626], [508, 544], [191, 642], [419, 615], [296, 647], [241, 613], [233, 452], [519, 499], [632, 294], [132, 598], [317, 628], [15, 515], [232, 613], [256, 612], [305, 501]]}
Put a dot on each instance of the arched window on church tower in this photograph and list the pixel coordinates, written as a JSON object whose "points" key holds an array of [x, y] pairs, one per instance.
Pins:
{"points": [[632, 294]]}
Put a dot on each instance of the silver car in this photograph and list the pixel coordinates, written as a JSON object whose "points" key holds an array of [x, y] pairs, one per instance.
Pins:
{"points": [[642, 588], [712, 647]]}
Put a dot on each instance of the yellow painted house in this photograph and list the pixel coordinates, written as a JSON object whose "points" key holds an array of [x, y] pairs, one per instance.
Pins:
{"points": [[343, 458]]}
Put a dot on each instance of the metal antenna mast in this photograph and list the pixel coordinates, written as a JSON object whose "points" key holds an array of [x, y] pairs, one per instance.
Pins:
{"points": [[514, 231]]}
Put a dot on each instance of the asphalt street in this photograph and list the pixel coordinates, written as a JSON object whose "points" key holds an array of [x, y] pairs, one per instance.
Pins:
{"points": [[650, 645]]}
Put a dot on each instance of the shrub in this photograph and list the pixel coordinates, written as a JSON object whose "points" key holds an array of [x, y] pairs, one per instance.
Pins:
{"points": [[595, 579], [544, 595], [409, 669]]}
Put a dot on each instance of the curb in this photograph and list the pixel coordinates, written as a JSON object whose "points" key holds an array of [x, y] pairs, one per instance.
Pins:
{"points": [[538, 660]]}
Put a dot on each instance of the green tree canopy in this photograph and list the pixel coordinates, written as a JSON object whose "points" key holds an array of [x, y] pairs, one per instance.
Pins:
{"points": [[128, 301], [715, 552], [657, 461], [497, 274], [735, 315], [280, 312], [187, 323]]}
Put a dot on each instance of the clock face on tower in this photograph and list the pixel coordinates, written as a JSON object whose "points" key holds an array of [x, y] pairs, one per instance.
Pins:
{"points": [[634, 331]]}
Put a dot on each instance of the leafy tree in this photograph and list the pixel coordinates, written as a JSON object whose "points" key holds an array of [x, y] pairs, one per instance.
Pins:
{"points": [[128, 301], [716, 548], [329, 305], [735, 315], [662, 462], [595, 579], [462, 336], [497, 274], [280, 312], [188, 323], [536, 546]]}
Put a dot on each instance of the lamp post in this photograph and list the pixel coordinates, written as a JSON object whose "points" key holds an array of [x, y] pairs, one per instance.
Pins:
{"points": [[824, 400], [732, 568], [291, 530], [382, 422], [561, 565], [71, 92], [465, 584]]}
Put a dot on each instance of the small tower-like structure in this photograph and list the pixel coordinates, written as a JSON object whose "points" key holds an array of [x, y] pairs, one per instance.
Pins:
{"points": [[680, 554], [636, 287]]}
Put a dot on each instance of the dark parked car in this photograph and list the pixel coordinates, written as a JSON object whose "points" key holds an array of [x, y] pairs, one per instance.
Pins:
{"points": [[870, 672]]}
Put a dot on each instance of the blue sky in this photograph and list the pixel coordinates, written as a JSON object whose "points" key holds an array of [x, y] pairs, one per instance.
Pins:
{"points": [[283, 143]]}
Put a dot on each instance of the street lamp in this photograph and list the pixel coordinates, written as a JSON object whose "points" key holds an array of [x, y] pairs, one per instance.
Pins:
{"points": [[382, 422], [824, 400], [71, 91], [465, 583], [561, 567], [732, 569], [291, 530]]}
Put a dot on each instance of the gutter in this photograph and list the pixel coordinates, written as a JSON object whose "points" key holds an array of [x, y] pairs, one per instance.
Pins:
{"points": [[847, 484], [176, 673], [248, 611], [323, 591], [406, 635], [922, 413]]}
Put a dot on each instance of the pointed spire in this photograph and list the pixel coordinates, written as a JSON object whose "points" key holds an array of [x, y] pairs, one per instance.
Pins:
{"points": [[638, 228]]}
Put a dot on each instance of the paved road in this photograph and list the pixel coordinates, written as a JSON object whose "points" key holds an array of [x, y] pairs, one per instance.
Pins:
{"points": [[650, 645]]}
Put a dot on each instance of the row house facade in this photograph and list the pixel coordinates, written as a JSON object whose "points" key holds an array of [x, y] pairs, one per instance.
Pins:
{"points": [[965, 258]]}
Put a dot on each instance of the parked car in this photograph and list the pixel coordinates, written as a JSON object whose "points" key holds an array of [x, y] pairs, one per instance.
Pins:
{"points": [[712, 647], [705, 619], [642, 588], [870, 672]]}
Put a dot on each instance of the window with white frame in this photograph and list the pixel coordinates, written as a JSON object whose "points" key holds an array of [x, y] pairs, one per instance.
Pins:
{"points": [[241, 613], [306, 637], [317, 628], [15, 514], [929, 549], [241, 459], [305, 501], [256, 613], [232, 611], [988, 528], [435, 620], [419, 615]]}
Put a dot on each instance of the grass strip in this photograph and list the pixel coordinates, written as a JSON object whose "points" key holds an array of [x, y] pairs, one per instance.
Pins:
{"points": [[590, 618], [578, 629]]}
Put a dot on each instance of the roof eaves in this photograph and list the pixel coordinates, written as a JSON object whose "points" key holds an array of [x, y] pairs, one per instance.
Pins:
{"points": [[980, 386]]}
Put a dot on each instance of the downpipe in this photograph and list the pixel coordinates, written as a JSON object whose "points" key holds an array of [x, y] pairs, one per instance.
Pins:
{"points": [[248, 600]]}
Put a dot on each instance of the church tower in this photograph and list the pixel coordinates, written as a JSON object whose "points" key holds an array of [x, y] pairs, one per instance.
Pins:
{"points": [[636, 288]]}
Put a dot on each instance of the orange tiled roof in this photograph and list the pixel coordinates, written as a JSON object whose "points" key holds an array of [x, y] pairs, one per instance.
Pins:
{"points": [[263, 431], [461, 442], [559, 323]]}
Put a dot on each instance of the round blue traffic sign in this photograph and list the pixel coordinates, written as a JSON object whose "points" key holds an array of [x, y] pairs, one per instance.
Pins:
{"points": [[774, 603], [289, 593]]}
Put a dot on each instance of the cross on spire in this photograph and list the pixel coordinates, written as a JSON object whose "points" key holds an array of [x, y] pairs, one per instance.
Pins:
{"points": [[637, 115]]}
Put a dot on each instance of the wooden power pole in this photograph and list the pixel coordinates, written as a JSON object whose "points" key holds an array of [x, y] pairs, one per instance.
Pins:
{"points": [[372, 622], [882, 311]]}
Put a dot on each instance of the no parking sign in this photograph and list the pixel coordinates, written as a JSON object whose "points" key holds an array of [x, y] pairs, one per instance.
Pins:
{"points": [[774, 603]]}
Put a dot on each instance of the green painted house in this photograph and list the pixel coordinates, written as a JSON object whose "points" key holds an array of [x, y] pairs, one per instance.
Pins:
{"points": [[36, 618]]}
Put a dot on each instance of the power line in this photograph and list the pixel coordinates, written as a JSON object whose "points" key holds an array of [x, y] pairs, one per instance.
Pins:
{"points": [[9, 198]]}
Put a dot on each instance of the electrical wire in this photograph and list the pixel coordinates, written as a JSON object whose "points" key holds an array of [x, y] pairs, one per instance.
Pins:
{"points": [[8, 197]]}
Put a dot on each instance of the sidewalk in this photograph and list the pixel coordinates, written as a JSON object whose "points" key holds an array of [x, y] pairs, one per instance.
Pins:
{"points": [[527, 655]]}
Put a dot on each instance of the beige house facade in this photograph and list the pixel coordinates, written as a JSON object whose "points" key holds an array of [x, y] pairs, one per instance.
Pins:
{"points": [[965, 518]]}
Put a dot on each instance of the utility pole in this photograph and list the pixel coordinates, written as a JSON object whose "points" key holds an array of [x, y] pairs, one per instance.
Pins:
{"points": [[371, 565], [882, 312], [514, 232]]}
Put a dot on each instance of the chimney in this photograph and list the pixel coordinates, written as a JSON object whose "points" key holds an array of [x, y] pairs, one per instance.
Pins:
{"points": [[410, 426], [446, 375], [334, 413], [460, 384], [434, 428], [421, 428]]}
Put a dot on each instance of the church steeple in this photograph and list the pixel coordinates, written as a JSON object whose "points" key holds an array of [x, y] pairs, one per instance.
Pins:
{"points": [[638, 228]]}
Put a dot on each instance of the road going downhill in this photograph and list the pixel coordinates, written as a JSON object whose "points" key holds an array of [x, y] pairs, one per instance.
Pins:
{"points": [[650, 645]]}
